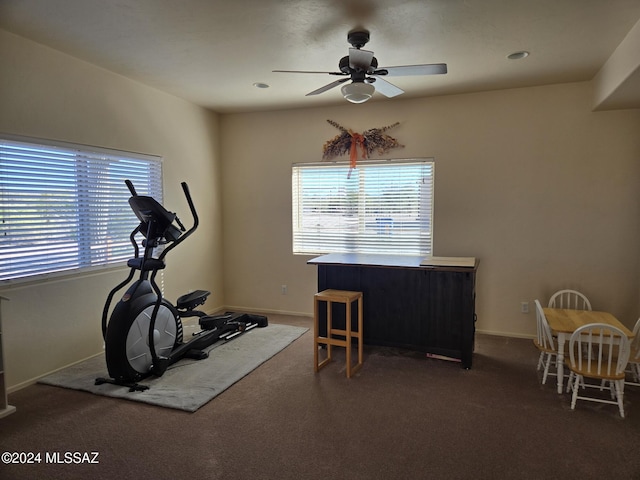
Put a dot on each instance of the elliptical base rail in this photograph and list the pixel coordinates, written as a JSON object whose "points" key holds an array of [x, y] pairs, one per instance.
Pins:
{"points": [[132, 386]]}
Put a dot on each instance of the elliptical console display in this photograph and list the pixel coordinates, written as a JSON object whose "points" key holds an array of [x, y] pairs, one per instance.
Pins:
{"points": [[144, 334]]}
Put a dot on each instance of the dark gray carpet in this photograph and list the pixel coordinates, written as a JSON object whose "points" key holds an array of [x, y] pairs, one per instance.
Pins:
{"points": [[402, 416]]}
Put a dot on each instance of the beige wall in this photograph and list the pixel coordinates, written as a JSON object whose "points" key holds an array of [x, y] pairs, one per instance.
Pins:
{"points": [[47, 94], [532, 182]]}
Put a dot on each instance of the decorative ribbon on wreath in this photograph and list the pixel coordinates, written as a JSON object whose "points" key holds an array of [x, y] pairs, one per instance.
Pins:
{"points": [[356, 140]]}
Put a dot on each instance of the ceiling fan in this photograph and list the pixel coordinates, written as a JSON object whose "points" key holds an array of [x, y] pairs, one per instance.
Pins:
{"points": [[361, 67]]}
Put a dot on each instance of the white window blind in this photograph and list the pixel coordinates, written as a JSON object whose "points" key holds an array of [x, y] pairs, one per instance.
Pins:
{"points": [[65, 207], [380, 207]]}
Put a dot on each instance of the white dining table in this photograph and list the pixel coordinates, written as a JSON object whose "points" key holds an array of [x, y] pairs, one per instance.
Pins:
{"points": [[563, 322]]}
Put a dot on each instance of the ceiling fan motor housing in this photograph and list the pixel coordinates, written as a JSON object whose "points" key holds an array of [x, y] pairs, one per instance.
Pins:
{"points": [[358, 38], [344, 66]]}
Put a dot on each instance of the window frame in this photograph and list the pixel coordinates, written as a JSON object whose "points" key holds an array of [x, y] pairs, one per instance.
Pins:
{"points": [[97, 204], [410, 230]]}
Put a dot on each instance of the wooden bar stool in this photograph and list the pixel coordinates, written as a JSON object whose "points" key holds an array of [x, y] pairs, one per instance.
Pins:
{"points": [[347, 298]]}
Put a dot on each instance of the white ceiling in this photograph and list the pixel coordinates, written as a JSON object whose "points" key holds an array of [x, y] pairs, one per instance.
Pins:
{"points": [[211, 52]]}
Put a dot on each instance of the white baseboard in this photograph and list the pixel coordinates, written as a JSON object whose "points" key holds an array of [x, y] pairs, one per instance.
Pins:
{"points": [[505, 334]]}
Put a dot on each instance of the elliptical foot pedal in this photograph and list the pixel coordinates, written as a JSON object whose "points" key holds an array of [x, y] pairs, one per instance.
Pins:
{"points": [[192, 300]]}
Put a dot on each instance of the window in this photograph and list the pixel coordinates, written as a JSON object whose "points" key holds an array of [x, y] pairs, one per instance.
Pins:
{"points": [[65, 207], [379, 207]]}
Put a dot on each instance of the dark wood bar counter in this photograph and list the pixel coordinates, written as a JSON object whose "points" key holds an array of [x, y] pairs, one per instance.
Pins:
{"points": [[409, 302]]}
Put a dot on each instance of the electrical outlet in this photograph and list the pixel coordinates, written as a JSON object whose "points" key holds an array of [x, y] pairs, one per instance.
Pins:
{"points": [[283, 289], [524, 307]]}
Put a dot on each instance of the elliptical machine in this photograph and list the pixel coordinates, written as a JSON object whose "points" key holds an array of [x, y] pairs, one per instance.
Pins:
{"points": [[144, 334]]}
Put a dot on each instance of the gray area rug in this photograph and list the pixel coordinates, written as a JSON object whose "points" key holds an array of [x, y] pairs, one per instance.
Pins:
{"points": [[187, 384]]}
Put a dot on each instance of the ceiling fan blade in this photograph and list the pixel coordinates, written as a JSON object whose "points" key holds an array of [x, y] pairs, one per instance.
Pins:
{"points": [[360, 59], [327, 87], [387, 89], [406, 70], [308, 71]]}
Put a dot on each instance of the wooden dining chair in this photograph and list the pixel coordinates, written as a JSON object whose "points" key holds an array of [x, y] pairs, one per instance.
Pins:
{"points": [[570, 299], [600, 352], [544, 342]]}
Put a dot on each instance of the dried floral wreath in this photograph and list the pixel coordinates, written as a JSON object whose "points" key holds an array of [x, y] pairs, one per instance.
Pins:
{"points": [[369, 141]]}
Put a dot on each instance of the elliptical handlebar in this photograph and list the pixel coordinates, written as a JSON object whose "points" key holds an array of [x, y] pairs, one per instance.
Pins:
{"points": [[196, 222], [131, 187], [192, 208]]}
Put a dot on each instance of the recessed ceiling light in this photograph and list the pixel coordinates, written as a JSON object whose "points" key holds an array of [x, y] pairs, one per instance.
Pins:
{"points": [[260, 85], [518, 55]]}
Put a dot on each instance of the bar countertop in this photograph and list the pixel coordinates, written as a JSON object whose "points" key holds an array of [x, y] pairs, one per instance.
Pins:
{"points": [[392, 261]]}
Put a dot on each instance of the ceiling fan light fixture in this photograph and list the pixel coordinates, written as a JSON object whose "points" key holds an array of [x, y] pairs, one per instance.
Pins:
{"points": [[358, 92]]}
